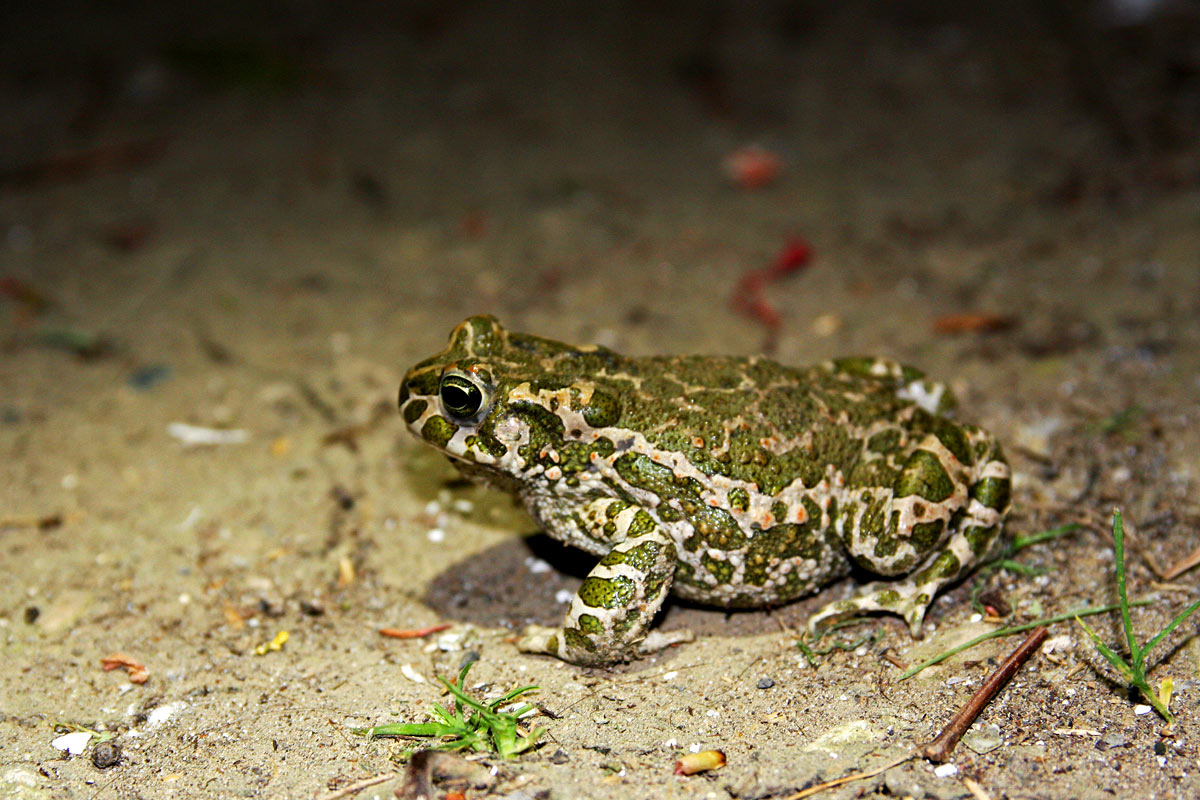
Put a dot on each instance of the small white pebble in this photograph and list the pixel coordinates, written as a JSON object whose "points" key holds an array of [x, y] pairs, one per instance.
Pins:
{"points": [[1058, 644], [197, 436], [712, 712], [946, 771], [670, 744], [432, 508], [463, 506], [407, 671], [436, 535], [74, 743], [977, 617], [670, 676], [537, 565], [70, 481], [563, 596], [163, 713], [695, 748], [1142, 709], [184, 599]]}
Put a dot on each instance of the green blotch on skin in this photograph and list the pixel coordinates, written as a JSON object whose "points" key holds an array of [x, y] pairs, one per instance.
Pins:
{"points": [[641, 472], [607, 592], [481, 334], [487, 444], [642, 558], [888, 598], [668, 514], [885, 441], [438, 431], [590, 624], [576, 640], [602, 410], [993, 492], [953, 439], [980, 538], [779, 510], [615, 507], [946, 565], [414, 410], [924, 476], [721, 570], [739, 499], [421, 382], [926, 534], [641, 525], [712, 527]]}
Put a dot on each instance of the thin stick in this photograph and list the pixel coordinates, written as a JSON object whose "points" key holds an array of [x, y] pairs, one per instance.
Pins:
{"points": [[858, 776], [355, 788], [939, 750]]}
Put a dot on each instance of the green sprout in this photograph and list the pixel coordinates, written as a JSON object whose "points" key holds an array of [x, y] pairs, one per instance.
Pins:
{"points": [[1134, 670], [485, 729]]}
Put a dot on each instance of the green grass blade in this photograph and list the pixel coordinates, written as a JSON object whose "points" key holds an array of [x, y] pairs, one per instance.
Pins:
{"points": [[513, 695], [1109, 654], [1172, 625], [1135, 652], [1021, 542], [1009, 631], [406, 729]]}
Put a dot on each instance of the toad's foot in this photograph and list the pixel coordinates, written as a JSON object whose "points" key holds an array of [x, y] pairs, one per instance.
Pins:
{"points": [[548, 641], [910, 597]]}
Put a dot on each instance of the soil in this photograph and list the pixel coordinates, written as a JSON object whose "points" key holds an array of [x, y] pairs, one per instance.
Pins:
{"points": [[255, 219]]}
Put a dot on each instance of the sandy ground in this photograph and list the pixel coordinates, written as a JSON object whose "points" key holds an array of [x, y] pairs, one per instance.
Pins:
{"points": [[266, 216]]}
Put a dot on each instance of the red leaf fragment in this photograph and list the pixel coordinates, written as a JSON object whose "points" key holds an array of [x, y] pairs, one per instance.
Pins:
{"points": [[413, 633], [973, 323], [138, 673]]}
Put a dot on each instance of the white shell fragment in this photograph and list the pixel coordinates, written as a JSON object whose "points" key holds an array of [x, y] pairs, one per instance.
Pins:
{"points": [[196, 436], [74, 743], [407, 671]]}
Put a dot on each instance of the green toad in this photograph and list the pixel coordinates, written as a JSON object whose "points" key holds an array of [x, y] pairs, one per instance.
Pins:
{"points": [[735, 482]]}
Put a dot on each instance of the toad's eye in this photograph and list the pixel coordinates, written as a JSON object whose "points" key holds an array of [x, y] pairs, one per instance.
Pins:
{"points": [[462, 395]]}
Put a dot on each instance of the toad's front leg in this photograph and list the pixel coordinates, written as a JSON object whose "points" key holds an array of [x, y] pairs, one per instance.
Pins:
{"points": [[610, 615]]}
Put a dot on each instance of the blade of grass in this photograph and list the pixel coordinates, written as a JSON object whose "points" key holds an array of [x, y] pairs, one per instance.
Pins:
{"points": [[1172, 625], [1135, 653], [1109, 654], [1009, 631]]}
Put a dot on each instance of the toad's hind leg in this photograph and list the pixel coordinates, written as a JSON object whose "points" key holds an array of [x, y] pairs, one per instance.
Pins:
{"points": [[610, 615], [973, 530]]}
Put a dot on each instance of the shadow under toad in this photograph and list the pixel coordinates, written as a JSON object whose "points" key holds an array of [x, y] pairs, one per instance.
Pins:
{"points": [[530, 580]]}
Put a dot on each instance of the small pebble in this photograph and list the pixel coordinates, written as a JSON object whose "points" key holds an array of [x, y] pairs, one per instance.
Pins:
{"points": [[106, 754], [149, 376], [311, 609], [765, 683]]}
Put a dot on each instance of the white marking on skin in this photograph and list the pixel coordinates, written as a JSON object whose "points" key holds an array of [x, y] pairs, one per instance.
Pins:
{"points": [[925, 394]]}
